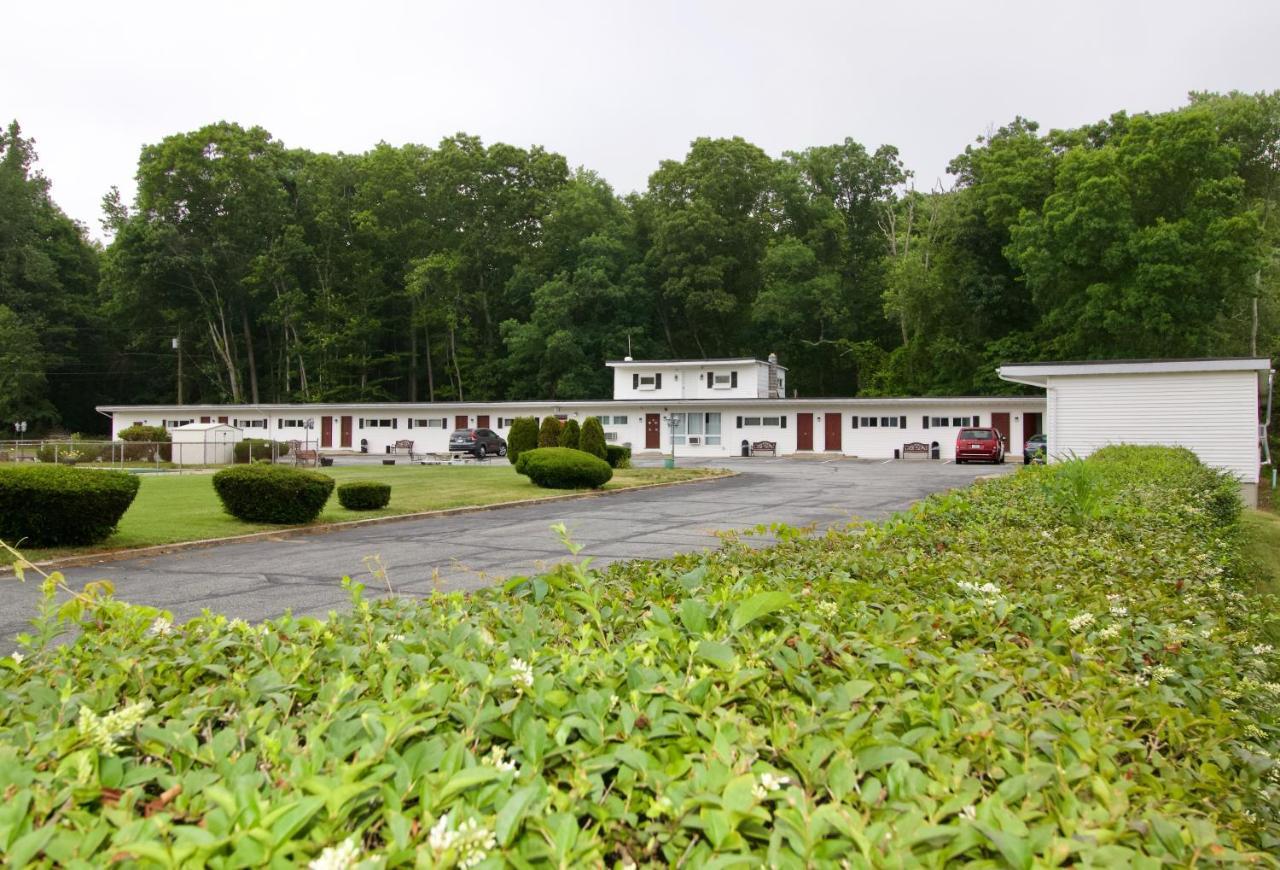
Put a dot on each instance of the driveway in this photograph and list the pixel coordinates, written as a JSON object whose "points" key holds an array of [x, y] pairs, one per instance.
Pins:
{"points": [[262, 579]]}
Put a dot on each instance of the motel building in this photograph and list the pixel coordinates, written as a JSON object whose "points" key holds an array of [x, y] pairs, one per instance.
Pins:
{"points": [[706, 408]]}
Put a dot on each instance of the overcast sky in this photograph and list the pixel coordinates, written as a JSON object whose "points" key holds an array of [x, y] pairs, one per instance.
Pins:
{"points": [[613, 86]]}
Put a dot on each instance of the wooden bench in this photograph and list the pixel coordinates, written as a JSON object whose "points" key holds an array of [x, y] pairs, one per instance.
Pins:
{"points": [[770, 447], [914, 449], [303, 456], [404, 445]]}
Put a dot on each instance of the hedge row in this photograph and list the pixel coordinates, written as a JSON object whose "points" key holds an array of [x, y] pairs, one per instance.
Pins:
{"points": [[1067, 666], [55, 505], [253, 449], [563, 468]]}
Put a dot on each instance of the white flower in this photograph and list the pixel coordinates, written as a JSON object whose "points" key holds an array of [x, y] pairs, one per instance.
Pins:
{"points": [[1263, 649], [1161, 673], [613, 701], [341, 857], [1077, 623], [498, 758], [521, 675], [161, 627], [441, 838], [17, 657], [1111, 631], [104, 731], [1119, 610], [768, 784], [470, 843], [1255, 732], [829, 609], [969, 812]]}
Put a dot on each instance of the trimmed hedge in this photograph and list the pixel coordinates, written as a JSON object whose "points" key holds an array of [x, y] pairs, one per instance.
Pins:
{"points": [[592, 440], [253, 449], [272, 493], [56, 505], [570, 434], [146, 452], [549, 432], [564, 468], [976, 681], [364, 495], [522, 436], [618, 456]]}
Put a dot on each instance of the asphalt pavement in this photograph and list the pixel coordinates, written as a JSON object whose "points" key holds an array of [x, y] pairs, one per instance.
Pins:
{"points": [[262, 579]]}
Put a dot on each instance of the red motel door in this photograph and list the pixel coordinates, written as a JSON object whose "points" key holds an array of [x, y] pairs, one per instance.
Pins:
{"points": [[1000, 422], [326, 431], [482, 421], [652, 431], [346, 432], [804, 431], [832, 423], [460, 421]]}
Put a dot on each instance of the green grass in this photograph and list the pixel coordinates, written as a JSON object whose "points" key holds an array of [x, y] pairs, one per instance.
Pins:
{"points": [[1262, 549], [174, 508]]}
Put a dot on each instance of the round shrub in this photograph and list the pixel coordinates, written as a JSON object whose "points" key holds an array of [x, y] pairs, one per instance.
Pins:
{"points": [[549, 433], [272, 493], [592, 440], [153, 438], [522, 436], [253, 449], [364, 495], [55, 505], [618, 456], [563, 468], [570, 434]]}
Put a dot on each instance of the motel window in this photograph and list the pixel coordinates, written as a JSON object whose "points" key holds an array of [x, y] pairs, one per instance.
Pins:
{"points": [[939, 421], [889, 422], [291, 424], [249, 424], [866, 422], [427, 423], [505, 422], [961, 421], [174, 424], [619, 419], [379, 423], [697, 427], [646, 382], [722, 380], [750, 421], [611, 436]]}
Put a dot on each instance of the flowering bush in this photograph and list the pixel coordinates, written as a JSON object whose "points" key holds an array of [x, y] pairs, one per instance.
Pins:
{"points": [[924, 691]]}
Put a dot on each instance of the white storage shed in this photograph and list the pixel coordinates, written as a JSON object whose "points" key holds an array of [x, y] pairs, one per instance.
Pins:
{"points": [[1211, 406], [205, 443]]}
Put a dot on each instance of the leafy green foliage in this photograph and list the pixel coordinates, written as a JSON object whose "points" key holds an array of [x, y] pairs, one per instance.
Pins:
{"points": [[592, 439], [549, 432], [570, 434], [618, 455], [146, 443], [564, 468], [522, 436], [253, 449], [54, 505], [271, 493], [364, 495], [973, 681]]}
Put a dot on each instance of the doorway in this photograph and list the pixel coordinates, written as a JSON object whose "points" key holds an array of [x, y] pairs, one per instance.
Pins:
{"points": [[832, 426], [460, 421], [326, 431], [482, 421], [652, 431], [1031, 425], [804, 431], [1000, 422], [346, 432]]}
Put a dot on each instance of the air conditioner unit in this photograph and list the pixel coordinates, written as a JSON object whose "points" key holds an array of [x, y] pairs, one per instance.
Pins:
{"points": [[695, 440], [611, 436]]}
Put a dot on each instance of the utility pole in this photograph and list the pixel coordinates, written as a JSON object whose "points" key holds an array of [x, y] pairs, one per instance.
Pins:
{"points": [[177, 346]]}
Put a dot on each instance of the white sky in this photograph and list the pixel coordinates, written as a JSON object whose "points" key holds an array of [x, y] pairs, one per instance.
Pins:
{"points": [[614, 86]]}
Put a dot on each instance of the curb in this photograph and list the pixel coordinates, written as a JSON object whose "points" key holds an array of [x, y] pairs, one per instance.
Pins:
{"points": [[299, 531]]}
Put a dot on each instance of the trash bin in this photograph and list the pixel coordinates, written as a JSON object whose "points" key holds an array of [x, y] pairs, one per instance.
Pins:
{"points": [[935, 452], [897, 453], [746, 447], [364, 445], [669, 462]]}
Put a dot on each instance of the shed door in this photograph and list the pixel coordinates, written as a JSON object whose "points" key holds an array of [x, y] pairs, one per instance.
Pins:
{"points": [[1000, 422], [482, 421], [460, 421], [832, 423], [326, 431], [346, 432], [804, 431], [652, 431]]}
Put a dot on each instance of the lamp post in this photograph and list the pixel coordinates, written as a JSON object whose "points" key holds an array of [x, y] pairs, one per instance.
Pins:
{"points": [[311, 424], [19, 429], [670, 461]]}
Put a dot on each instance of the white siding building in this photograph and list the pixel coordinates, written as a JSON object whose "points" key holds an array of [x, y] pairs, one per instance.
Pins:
{"points": [[656, 405], [1210, 406]]}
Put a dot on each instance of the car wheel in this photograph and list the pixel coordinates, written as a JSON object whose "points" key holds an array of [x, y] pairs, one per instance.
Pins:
{"points": [[502, 450], [480, 451], [959, 462]]}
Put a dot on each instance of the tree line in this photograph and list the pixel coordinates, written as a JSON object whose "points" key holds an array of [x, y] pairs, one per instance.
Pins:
{"points": [[484, 272]]}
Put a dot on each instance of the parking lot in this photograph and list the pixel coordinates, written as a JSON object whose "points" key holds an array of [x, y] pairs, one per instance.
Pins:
{"points": [[264, 578]]}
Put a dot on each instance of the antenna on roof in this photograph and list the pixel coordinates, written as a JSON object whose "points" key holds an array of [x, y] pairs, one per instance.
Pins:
{"points": [[628, 345]]}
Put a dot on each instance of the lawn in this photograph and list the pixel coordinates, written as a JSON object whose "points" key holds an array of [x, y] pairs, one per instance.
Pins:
{"points": [[173, 508], [1262, 549]]}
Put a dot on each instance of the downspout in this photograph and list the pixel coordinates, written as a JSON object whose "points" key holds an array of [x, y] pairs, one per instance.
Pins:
{"points": [[1265, 428]]}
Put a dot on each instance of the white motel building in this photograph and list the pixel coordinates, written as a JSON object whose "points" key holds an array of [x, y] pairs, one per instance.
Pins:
{"points": [[722, 407]]}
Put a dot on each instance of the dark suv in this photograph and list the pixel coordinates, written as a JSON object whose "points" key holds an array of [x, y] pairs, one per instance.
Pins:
{"points": [[478, 442]]}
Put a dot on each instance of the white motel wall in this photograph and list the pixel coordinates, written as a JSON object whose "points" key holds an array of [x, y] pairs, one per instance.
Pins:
{"points": [[872, 428], [1211, 406]]}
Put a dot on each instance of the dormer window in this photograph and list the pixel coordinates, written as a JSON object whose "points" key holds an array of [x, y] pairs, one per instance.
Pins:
{"points": [[722, 380]]}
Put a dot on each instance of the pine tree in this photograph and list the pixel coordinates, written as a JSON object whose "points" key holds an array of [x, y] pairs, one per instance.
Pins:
{"points": [[570, 434], [592, 440], [549, 434], [523, 436]]}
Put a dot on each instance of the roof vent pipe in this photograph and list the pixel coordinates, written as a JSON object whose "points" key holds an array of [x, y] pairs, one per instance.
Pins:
{"points": [[627, 359], [773, 376]]}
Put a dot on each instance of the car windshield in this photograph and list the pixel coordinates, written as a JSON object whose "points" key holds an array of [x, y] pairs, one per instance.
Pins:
{"points": [[976, 434], [1037, 439]]}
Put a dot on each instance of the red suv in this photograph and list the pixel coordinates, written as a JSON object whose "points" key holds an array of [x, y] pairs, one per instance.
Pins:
{"points": [[983, 444]]}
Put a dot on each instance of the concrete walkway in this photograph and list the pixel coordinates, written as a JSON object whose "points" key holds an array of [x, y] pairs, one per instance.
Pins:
{"points": [[262, 579]]}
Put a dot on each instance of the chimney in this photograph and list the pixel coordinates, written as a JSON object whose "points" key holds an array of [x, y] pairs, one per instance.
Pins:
{"points": [[773, 376]]}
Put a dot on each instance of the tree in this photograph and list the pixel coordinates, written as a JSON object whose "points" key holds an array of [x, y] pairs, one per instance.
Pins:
{"points": [[522, 436], [570, 434], [549, 433], [592, 440]]}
